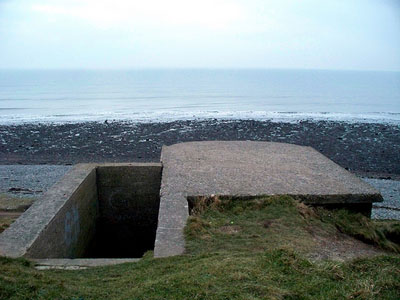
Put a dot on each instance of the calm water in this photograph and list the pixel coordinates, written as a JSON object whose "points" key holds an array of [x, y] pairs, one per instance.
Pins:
{"points": [[165, 95]]}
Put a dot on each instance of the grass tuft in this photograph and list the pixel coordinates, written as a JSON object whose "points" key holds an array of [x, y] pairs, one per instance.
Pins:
{"points": [[384, 234]]}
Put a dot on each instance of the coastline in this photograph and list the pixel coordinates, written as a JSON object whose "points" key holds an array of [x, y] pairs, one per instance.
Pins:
{"points": [[367, 149]]}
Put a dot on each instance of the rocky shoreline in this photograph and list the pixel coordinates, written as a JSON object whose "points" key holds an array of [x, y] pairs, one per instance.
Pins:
{"points": [[368, 149]]}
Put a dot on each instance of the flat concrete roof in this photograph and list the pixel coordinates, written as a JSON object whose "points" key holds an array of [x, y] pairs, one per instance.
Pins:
{"points": [[244, 168]]}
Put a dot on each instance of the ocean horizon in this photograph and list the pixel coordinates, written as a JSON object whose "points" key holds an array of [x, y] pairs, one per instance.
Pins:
{"points": [[164, 95]]}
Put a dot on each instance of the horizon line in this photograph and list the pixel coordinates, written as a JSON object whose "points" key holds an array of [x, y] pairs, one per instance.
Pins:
{"points": [[191, 68]]}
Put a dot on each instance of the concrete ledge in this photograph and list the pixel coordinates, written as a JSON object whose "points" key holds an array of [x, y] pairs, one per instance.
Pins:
{"points": [[258, 168], [169, 242], [64, 263]]}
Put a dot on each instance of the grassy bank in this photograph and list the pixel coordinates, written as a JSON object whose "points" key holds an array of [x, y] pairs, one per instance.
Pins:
{"points": [[11, 207], [270, 248]]}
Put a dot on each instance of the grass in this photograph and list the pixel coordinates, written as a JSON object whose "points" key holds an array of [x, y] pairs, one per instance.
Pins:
{"points": [[253, 249], [15, 203], [5, 222], [10, 203], [253, 225], [384, 234]]}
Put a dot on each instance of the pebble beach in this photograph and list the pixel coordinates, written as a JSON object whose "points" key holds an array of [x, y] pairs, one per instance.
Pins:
{"points": [[33, 156], [369, 149]]}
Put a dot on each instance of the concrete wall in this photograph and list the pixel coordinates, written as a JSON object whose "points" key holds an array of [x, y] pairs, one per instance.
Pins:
{"points": [[61, 223], [128, 205], [72, 230], [107, 210]]}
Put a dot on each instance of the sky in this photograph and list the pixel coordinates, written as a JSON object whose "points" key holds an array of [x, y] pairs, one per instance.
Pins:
{"points": [[114, 34]]}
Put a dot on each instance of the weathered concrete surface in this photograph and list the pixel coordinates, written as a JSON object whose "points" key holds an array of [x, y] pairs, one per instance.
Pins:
{"points": [[99, 209], [60, 223], [64, 263], [243, 168]]}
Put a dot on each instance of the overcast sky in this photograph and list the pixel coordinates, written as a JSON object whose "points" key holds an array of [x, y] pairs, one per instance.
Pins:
{"points": [[312, 34]]}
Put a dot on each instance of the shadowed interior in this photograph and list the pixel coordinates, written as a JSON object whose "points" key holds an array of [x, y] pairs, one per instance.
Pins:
{"points": [[128, 202]]}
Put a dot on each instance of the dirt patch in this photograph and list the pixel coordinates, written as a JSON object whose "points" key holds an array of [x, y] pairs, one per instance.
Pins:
{"points": [[333, 244], [267, 223], [307, 212], [339, 246], [229, 229]]}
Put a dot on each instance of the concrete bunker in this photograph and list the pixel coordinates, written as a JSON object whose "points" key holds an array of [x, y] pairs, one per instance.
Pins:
{"points": [[102, 214], [96, 211]]}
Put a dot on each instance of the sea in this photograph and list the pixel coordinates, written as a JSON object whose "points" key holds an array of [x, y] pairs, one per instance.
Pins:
{"points": [[164, 95]]}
